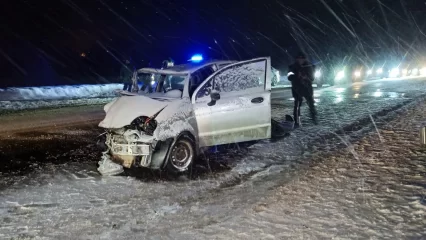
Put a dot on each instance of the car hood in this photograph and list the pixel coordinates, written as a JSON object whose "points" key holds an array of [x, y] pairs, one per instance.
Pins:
{"points": [[122, 111]]}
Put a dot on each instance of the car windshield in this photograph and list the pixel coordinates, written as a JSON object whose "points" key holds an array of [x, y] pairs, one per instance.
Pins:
{"points": [[170, 82], [161, 83]]}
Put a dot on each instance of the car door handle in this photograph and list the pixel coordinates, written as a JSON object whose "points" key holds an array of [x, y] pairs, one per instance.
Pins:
{"points": [[257, 100]]}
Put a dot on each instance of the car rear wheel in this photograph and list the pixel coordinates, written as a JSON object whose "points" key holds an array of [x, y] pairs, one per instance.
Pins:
{"points": [[182, 155]]}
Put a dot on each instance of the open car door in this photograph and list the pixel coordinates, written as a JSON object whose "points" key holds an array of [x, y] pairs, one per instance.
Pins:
{"points": [[234, 103]]}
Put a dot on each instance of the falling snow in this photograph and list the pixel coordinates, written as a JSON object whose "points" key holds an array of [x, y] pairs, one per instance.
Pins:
{"points": [[359, 174]]}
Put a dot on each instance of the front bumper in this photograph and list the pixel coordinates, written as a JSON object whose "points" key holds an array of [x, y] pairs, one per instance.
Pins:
{"points": [[131, 148]]}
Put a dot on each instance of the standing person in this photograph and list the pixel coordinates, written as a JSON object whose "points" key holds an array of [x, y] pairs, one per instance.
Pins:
{"points": [[301, 76], [167, 63], [126, 75]]}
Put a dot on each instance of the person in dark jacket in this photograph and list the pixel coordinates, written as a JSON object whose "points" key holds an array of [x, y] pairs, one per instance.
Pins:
{"points": [[126, 74], [167, 63], [301, 76]]}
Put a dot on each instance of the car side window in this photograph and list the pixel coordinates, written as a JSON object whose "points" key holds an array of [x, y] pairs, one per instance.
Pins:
{"points": [[198, 77], [241, 77], [205, 90]]}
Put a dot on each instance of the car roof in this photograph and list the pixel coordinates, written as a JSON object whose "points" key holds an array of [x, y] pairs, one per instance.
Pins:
{"points": [[184, 69]]}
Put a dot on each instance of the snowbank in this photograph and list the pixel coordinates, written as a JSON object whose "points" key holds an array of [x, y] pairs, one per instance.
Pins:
{"points": [[59, 92], [10, 106]]}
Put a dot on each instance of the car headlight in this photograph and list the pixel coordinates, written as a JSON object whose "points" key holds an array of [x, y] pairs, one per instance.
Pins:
{"points": [[317, 74], [423, 71], [394, 72], [379, 71], [369, 72], [340, 75], [404, 72], [152, 82], [357, 74], [414, 71]]}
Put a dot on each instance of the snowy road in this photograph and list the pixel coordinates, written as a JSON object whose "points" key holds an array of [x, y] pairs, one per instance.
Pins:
{"points": [[282, 188]]}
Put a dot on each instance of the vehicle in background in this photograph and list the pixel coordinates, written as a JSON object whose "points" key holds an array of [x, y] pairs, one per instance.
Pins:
{"points": [[346, 71], [343, 75], [351, 73], [415, 69], [193, 106], [323, 76], [374, 73]]}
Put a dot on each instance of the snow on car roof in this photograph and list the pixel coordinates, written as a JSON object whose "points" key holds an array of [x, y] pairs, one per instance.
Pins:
{"points": [[183, 69]]}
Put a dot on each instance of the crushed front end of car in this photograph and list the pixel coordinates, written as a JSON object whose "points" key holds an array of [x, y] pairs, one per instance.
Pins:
{"points": [[139, 132], [129, 136], [130, 146], [133, 143]]}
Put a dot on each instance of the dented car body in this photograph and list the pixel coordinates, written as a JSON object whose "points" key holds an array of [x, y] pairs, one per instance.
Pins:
{"points": [[193, 106]]}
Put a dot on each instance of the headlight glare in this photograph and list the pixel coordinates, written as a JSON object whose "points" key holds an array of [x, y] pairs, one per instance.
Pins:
{"points": [[357, 74], [317, 74], [394, 72], [340, 75]]}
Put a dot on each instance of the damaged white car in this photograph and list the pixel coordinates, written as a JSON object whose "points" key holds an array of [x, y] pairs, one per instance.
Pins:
{"points": [[192, 106]]}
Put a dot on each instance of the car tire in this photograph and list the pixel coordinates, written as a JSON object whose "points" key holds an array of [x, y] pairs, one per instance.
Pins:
{"points": [[182, 155]]}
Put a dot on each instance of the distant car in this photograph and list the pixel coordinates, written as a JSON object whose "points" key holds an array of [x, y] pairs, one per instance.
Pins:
{"points": [[193, 106], [349, 74], [378, 71], [322, 76]]}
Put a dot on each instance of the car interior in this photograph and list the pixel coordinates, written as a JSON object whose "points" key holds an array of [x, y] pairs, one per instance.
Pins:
{"points": [[198, 77]]}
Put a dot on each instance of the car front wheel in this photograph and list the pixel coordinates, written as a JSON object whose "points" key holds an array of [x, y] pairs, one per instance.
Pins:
{"points": [[182, 155]]}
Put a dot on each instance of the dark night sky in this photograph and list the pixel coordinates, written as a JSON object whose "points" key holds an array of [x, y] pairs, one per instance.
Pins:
{"points": [[42, 40]]}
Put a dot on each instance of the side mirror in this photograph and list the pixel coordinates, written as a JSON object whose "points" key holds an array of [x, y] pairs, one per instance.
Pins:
{"points": [[214, 97]]}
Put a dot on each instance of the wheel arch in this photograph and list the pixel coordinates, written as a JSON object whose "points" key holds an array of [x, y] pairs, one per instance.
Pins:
{"points": [[175, 139]]}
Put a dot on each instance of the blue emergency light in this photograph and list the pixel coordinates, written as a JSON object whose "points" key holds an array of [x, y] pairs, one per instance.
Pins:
{"points": [[197, 58]]}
